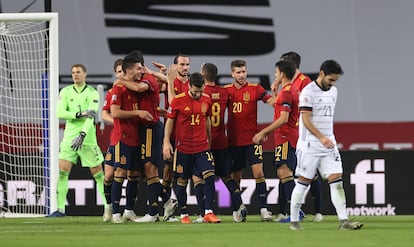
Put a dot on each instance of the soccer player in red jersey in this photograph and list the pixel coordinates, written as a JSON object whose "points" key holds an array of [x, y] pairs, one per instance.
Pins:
{"points": [[109, 162], [125, 139], [178, 73], [242, 126], [191, 111], [286, 113], [219, 142], [300, 81], [151, 134]]}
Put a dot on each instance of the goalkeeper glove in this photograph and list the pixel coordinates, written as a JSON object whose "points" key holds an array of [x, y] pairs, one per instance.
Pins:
{"points": [[77, 142], [87, 113]]}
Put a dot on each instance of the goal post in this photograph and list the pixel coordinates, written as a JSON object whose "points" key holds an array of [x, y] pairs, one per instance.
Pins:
{"points": [[29, 128]]}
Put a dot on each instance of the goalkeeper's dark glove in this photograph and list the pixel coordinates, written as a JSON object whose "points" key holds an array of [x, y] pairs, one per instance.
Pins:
{"points": [[87, 113], [77, 142]]}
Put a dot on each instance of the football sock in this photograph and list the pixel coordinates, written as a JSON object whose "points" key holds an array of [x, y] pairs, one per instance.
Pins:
{"points": [[317, 194], [99, 179], [262, 192], [131, 192], [282, 199], [210, 189], [288, 184], [338, 198], [154, 188], [107, 191], [181, 194], [62, 190], [116, 194], [296, 201], [166, 190], [200, 195], [235, 193]]}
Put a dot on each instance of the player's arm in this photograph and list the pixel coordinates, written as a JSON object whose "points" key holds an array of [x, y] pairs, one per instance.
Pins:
{"points": [[62, 106], [107, 117], [306, 116], [160, 66], [271, 101], [136, 86], [161, 77], [106, 114], [117, 112], [208, 128], [89, 124], [171, 74], [167, 149], [261, 135]]}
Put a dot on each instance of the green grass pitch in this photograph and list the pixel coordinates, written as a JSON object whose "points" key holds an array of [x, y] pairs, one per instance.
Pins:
{"points": [[91, 231]]}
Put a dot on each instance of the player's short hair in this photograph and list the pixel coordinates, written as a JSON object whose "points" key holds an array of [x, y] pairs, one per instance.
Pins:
{"points": [[138, 54], [79, 65], [287, 67], [330, 67], [131, 59], [117, 63], [237, 64], [210, 71], [293, 56], [196, 80], [179, 55]]}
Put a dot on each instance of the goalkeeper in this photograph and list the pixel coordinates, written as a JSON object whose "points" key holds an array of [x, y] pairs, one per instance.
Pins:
{"points": [[78, 104]]}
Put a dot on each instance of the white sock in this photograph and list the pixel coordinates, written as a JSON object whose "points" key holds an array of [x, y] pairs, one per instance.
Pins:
{"points": [[338, 199], [296, 201]]}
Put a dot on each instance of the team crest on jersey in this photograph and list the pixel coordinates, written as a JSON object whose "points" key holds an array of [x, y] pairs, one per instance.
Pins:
{"points": [[203, 108], [123, 160], [246, 96], [108, 156], [215, 95], [180, 168]]}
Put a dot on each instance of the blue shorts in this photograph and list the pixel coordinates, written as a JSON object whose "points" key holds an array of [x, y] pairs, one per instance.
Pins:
{"points": [[109, 156], [285, 154], [127, 157], [243, 156], [151, 137], [186, 165], [222, 161]]}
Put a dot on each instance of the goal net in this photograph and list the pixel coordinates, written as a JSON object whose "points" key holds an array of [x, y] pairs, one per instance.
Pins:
{"points": [[28, 125]]}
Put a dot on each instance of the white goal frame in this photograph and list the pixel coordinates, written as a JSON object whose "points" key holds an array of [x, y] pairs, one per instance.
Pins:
{"points": [[53, 121]]}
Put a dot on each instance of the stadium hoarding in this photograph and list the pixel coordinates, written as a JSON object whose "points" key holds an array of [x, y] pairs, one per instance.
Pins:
{"points": [[350, 136], [373, 180]]}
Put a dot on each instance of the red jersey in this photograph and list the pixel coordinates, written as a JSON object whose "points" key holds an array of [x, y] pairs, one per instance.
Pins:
{"points": [[180, 86], [107, 103], [300, 81], [190, 120], [219, 97], [150, 99], [287, 100], [125, 130], [242, 105]]}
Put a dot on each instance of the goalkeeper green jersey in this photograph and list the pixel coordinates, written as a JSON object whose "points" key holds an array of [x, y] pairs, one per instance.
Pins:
{"points": [[73, 100]]}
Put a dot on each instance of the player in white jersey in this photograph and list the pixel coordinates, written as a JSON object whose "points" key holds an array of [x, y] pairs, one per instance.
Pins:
{"points": [[316, 148]]}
